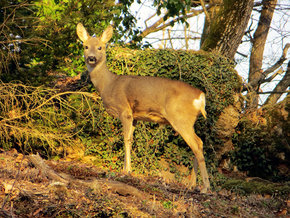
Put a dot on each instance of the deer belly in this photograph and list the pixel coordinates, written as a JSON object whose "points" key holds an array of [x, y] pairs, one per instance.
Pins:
{"points": [[150, 117]]}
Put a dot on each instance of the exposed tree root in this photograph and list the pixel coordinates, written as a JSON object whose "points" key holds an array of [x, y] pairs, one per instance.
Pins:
{"points": [[114, 186]]}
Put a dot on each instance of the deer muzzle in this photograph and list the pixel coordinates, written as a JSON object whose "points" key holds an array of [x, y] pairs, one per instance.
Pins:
{"points": [[91, 60]]}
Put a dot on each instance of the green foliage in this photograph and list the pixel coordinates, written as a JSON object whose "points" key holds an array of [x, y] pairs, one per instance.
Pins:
{"points": [[173, 7], [261, 142], [168, 204], [251, 149], [252, 186], [40, 38], [149, 142]]}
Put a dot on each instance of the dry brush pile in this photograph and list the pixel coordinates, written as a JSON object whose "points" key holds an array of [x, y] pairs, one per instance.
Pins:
{"points": [[38, 118]]}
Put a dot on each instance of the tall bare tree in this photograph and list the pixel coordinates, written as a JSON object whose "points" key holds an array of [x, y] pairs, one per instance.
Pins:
{"points": [[258, 44]]}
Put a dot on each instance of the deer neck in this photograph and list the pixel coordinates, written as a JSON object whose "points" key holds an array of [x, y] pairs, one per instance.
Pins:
{"points": [[101, 76]]}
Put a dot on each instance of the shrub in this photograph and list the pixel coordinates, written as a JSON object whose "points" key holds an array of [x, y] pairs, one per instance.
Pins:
{"points": [[261, 142]]}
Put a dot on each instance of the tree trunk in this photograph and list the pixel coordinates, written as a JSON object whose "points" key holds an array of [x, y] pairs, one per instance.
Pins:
{"points": [[227, 27], [212, 12], [256, 59]]}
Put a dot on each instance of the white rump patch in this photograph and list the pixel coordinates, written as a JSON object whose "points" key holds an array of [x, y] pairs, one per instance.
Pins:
{"points": [[199, 102]]}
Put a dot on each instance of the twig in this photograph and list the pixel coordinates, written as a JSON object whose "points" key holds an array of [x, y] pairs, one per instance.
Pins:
{"points": [[44, 103], [269, 79], [276, 65], [273, 92], [156, 26], [205, 11]]}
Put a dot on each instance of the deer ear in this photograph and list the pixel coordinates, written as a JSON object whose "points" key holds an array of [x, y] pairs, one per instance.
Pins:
{"points": [[107, 34], [82, 32]]}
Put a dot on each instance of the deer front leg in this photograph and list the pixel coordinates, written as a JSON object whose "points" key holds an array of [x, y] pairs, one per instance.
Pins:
{"points": [[128, 129]]}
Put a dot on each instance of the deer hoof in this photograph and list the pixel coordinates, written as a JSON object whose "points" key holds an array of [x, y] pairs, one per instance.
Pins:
{"points": [[127, 171], [203, 190]]}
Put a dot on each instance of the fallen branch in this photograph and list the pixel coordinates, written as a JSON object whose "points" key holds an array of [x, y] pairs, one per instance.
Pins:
{"points": [[114, 186], [38, 162]]}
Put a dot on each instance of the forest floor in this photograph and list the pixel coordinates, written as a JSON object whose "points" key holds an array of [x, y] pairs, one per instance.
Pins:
{"points": [[26, 192]]}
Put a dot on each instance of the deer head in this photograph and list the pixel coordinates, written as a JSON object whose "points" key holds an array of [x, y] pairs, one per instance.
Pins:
{"points": [[94, 47]]}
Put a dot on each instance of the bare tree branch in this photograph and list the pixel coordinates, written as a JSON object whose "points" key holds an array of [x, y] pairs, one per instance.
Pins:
{"points": [[115, 186], [264, 74], [256, 59], [205, 11], [170, 38], [259, 40], [157, 25], [269, 79], [281, 88], [272, 92], [276, 65]]}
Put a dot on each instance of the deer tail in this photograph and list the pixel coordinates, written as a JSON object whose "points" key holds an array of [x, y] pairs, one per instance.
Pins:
{"points": [[199, 104]]}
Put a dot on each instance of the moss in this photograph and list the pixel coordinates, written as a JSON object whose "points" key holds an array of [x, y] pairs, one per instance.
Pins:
{"points": [[257, 187]]}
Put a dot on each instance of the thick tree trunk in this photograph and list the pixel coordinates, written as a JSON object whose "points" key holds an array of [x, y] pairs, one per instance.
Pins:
{"points": [[212, 13], [256, 59], [227, 27]]}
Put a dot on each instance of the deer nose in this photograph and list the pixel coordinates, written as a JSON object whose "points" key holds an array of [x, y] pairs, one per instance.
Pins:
{"points": [[92, 59]]}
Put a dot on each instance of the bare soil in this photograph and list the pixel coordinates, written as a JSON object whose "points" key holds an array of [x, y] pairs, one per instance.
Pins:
{"points": [[26, 192]]}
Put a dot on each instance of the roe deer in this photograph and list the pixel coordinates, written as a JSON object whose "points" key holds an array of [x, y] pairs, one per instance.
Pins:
{"points": [[154, 99]]}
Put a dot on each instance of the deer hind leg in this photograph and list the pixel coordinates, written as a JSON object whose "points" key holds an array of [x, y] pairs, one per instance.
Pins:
{"points": [[128, 129], [194, 173], [201, 163], [194, 142]]}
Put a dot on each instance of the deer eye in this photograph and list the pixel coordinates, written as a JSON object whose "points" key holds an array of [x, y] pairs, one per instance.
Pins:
{"points": [[86, 47], [100, 48]]}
